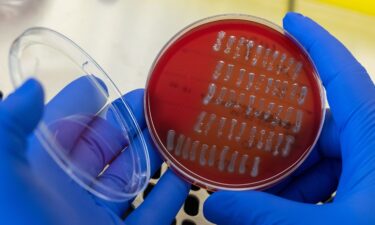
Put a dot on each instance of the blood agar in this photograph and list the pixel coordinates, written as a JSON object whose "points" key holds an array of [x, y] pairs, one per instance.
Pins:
{"points": [[234, 102]]}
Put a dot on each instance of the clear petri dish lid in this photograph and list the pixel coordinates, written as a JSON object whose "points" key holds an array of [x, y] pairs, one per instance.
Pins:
{"points": [[87, 127]]}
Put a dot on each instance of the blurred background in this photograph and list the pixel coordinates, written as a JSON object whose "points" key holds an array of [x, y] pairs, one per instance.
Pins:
{"points": [[124, 37]]}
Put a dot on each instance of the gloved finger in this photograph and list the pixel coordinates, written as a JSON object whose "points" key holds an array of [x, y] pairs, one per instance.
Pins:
{"points": [[252, 207], [19, 115], [81, 96], [88, 142], [118, 175], [162, 203], [316, 184], [134, 100], [113, 176], [346, 81], [311, 160], [122, 166], [95, 142], [120, 169], [328, 146]]}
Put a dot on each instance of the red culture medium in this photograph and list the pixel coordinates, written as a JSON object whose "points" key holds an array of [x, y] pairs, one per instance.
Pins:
{"points": [[234, 103]]}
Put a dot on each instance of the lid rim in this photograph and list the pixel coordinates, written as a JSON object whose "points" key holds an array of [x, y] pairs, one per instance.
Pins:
{"points": [[48, 37]]}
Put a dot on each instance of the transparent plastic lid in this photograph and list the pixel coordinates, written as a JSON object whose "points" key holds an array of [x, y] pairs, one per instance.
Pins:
{"points": [[87, 127]]}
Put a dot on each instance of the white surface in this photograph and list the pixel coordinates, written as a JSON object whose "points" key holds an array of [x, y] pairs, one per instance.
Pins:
{"points": [[124, 36]]}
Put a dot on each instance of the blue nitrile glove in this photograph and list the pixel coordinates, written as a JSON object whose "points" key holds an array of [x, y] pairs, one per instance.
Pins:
{"points": [[344, 158], [34, 190]]}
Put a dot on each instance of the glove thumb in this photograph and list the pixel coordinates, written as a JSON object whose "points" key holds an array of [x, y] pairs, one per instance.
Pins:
{"points": [[252, 207], [19, 115]]}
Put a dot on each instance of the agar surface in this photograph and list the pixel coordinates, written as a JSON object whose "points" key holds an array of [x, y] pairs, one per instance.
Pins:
{"points": [[234, 104]]}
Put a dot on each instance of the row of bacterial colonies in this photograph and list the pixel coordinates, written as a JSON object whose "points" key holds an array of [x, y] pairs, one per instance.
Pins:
{"points": [[236, 132], [252, 107], [205, 155], [257, 54], [275, 87]]}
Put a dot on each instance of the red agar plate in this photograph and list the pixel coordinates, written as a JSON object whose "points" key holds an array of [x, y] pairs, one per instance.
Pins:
{"points": [[234, 102]]}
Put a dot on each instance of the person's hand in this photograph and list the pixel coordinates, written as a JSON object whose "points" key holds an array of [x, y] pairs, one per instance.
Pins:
{"points": [[34, 190], [344, 157]]}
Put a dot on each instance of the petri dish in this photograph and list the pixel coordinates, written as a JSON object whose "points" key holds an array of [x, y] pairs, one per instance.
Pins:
{"points": [[87, 127], [234, 102]]}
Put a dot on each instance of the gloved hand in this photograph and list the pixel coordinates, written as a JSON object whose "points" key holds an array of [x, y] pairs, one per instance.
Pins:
{"points": [[34, 190], [344, 157]]}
